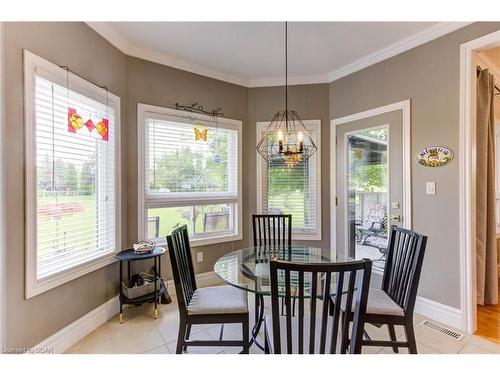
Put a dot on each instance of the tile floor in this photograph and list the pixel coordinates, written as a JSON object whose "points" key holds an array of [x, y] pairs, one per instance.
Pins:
{"points": [[141, 333]]}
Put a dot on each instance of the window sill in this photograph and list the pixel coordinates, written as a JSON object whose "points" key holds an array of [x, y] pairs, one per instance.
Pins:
{"points": [[197, 242], [306, 237]]}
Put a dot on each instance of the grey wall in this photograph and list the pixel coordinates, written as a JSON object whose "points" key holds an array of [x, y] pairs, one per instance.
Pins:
{"points": [[429, 76], [74, 44], [155, 84], [311, 102], [86, 52]]}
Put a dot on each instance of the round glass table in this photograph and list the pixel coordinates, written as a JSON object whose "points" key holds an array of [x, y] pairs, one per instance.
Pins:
{"points": [[248, 269]]}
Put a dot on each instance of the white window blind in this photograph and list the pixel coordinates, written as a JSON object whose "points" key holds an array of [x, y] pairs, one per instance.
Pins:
{"points": [[293, 189], [75, 180], [191, 168], [178, 163]]}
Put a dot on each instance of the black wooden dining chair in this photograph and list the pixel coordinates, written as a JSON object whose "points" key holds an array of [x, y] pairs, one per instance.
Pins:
{"points": [[211, 305], [393, 304], [272, 230], [321, 334]]}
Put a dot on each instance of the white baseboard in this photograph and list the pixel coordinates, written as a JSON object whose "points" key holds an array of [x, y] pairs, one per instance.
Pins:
{"points": [[64, 339], [448, 315]]}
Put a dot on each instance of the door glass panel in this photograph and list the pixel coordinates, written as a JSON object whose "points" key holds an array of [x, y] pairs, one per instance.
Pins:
{"points": [[368, 194]]}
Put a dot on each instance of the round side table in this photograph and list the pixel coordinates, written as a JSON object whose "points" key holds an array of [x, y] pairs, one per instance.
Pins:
{"points": [[129, 256]]}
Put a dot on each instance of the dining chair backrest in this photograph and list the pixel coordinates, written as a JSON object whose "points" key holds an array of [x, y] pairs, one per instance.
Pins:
{"points": [[346, 282], [403, 266], [272, 230], [182, 266]]}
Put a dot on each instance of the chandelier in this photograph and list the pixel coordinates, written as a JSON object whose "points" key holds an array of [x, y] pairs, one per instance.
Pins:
{"points": [[286, 138]]}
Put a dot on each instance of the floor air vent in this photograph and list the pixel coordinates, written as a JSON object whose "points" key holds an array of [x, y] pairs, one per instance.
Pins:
{"points": [[442, 330]]}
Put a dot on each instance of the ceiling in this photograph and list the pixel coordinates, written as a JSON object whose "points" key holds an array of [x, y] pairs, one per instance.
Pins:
{"points": [[252, 53]]}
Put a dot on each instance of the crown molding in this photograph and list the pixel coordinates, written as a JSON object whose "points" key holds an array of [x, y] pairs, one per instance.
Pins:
{"points": [[296, 80], [134, 50], [392, 50], [111, 36]]}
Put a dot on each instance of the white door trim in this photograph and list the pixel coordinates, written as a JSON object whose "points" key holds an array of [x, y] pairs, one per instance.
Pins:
{"points": [[467, 179], [404, 106]]}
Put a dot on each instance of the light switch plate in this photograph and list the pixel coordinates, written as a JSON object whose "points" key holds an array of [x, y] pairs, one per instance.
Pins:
{"points": [[199, 256], [430, 188]]}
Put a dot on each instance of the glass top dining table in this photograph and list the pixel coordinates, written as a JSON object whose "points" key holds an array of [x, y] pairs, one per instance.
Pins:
{"points": [[248, 268]]}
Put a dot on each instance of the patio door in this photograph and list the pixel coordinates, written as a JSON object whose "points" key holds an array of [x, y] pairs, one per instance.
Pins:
{"points": [[369, 185]]}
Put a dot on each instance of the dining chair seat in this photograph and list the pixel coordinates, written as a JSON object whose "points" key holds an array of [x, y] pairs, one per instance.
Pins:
{"points": [[393, 304], [295, 336], [213, 305], [379, 303], [218, 300]]}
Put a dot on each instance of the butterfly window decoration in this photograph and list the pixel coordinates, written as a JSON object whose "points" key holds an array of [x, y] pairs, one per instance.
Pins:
{"points": [[200, 134], [200, 131]]}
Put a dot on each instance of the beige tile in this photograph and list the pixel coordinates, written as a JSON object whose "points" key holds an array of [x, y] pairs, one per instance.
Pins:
{"points": [[417, 318], [231, 331], [421, 349], [136, 335], [169, 328], [159, 350], [371, 350], [382, 333], [140, 333], [97, 342], [437, 341], [201, 335]]}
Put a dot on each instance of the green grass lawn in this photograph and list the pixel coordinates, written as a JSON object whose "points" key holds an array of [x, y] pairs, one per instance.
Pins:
{"points": [[65, 218], [78, 221], [288, 203], [171, 217]]}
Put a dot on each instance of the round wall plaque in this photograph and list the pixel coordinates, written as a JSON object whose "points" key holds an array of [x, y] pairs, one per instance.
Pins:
{"points": [[434, 156]]}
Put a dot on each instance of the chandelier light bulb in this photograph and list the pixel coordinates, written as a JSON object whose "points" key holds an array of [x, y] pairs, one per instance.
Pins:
{"points": [[280, 136]]}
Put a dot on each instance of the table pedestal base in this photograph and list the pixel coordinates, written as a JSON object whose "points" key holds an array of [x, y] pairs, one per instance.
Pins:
{"points": [[259, 319]]}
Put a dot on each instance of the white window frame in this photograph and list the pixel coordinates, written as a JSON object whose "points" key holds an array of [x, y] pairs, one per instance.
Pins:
{"points": [[185, 199], [32, 62], [310, 125]]}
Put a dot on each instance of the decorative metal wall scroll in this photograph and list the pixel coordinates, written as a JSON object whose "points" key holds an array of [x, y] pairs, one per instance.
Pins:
{"points": [[195, 108]]}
